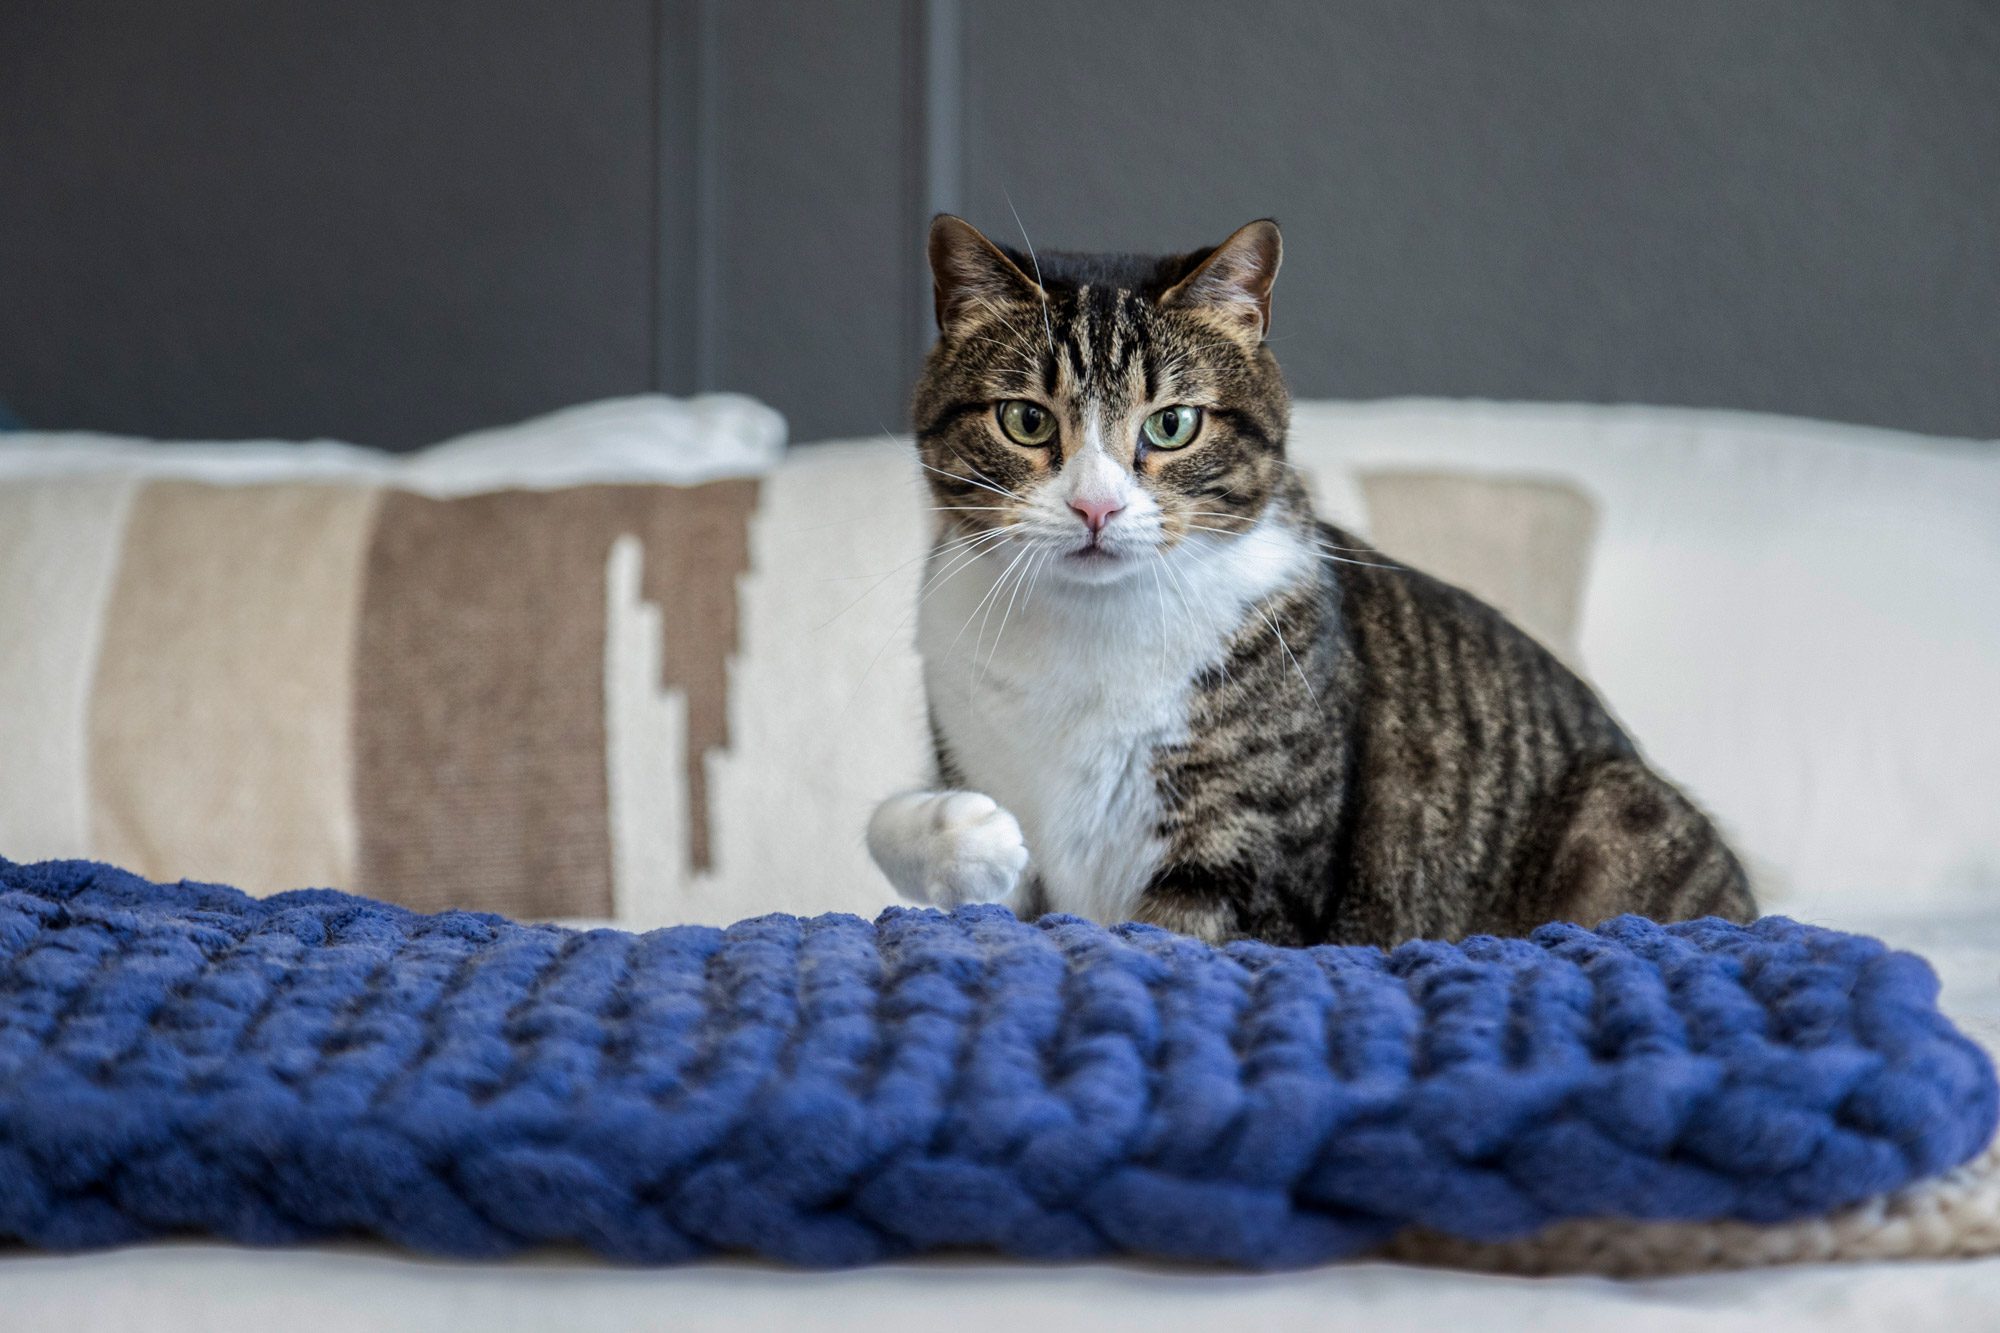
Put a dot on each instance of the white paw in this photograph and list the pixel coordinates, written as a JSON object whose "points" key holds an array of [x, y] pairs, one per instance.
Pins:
{"points": [[978, 852], [948, 848]]}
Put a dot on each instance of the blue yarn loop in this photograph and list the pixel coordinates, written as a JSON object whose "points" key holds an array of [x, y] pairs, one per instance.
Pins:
{"points": [[182, 1058]]}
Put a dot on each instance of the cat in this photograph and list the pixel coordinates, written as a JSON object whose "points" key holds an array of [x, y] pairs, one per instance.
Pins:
{"points": [[1160, 689]]}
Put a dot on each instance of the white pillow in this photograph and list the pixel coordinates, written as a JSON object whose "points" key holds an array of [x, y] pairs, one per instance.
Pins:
{"points": [[1798, 621], [644, 438], [201, 644]]}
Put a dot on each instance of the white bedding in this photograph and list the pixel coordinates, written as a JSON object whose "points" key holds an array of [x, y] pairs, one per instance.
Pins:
{"points": [[167, 1289], [1776, 490]]}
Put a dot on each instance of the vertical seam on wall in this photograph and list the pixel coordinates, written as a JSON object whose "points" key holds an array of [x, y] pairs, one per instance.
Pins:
{"points": [[934, 55], [915, 122], [943, 105], [657, 221], [708, 185], [676, 187]]}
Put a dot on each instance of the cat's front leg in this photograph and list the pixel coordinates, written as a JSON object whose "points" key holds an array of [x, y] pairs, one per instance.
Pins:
{"points": [[948, 847]]}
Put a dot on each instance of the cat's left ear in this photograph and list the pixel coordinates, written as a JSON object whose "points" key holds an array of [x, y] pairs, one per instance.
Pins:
{"points": [[1235, 279]]}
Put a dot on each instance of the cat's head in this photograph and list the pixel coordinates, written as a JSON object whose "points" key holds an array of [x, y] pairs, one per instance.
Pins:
{"points": [[1102, 408]]}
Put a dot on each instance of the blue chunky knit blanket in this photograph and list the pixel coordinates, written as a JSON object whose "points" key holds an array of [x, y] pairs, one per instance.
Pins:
{"points": [[185, 1059]]}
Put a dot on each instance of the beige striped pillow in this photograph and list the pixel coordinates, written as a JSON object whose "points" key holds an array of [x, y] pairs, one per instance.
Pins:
{"points": [[642, 702]]}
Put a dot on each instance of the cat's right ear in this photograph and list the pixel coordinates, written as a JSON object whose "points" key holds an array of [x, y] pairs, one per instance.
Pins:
{"points": [[969, 272]]}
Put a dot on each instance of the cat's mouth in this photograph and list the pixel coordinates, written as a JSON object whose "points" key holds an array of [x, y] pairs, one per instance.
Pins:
{"points": [[1097, 562], [1096, 555]]}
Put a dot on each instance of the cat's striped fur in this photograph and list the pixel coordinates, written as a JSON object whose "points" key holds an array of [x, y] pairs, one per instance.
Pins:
{"points": [[1210, 710]]}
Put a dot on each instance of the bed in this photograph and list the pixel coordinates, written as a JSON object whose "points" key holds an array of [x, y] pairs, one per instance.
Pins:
{"points": [[1733, 582]]}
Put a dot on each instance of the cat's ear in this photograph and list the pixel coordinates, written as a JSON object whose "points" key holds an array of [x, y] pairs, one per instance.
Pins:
{"points": [[1235, 279], [968, 271]]}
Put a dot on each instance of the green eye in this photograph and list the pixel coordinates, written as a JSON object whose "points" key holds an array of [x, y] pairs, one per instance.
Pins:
{"points": [[1027, 423], [1172, 427]]}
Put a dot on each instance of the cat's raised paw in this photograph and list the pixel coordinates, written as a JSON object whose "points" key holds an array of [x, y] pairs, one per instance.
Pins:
{"points": [[978, 855], [948, 848]]}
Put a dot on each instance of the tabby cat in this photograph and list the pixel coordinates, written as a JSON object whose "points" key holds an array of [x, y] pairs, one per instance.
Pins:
{"points": [[1161, 690]]}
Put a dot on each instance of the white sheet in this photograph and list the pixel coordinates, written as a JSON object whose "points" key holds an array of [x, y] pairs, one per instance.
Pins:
{"points": [[169, 1288]]}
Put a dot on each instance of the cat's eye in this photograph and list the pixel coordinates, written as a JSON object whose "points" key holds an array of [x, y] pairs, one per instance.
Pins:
{"points": [[1172, 427], [1027, 423]]}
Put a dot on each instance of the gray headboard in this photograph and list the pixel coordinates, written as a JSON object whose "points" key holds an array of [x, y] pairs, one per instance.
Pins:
{"points": [[390, 220]]}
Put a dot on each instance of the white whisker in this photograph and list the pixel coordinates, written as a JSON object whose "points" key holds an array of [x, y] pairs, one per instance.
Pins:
{"points": [[969, 551], [1311, 693], [1321, 552], [992, 595], [954, 547], [981, 475], [970, 481], [1040, 556], [1320, 542], [957, 564], [1048, 326], [1160, 591], [1208, 604]]}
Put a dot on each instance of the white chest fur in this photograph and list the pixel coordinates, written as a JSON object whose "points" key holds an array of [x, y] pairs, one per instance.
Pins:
{"points": [[1059, 716]]}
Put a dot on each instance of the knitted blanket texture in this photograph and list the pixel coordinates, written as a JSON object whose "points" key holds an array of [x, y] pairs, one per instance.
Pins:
{"points": [[185, 1059]]}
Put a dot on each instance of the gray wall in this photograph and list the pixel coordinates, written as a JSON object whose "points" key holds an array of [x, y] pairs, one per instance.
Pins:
{"points": [[1788, 205], [390, 220], [385, 220]]}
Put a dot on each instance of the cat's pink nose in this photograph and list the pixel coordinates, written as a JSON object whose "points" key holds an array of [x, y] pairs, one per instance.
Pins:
{"points": [[1096, 513]]}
